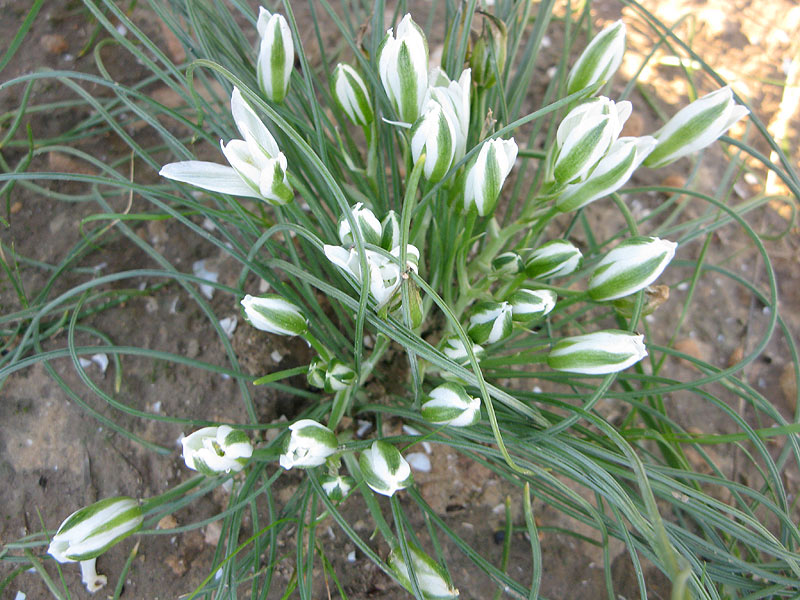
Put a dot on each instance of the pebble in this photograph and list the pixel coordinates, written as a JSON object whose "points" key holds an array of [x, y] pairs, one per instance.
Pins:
{"points": [[54, 43]]}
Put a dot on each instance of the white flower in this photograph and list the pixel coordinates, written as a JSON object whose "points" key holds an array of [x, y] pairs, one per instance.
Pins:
{"points": [[453, 97], [485, 177], [611, 173], [275, 55], [433, 134], [631, 266], [384, 468], [695, 127], [274, 314], [367, 223], [215, 450], [350, 91], [309, 445], [258, 168], [384, 274], [403, 68], [597, 353], [90, 531], [449, 404], [431, 577], [584, 137], [600, 60]]}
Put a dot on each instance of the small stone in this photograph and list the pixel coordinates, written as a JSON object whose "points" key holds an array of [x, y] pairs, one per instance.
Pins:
{"points": [[192, 348], [213, 532], [788, 383], [54, 43], [168, 522], [177, 565], [15, 207], [736, 356], [695, 349], [62, 163]]}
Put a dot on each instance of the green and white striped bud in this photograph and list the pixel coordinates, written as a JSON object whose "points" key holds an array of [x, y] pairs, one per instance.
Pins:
{"points": [[584, 137], [336, 488], [384, 468], [453, 97], [490, 322], [390, 231], [316, 372], [449, 404], [350, 92], [433, 134], [611, 173], [367, 223], [631, 266], [600, 60], [403, 68], [556, 258], [485, 177], [507, 263], [215, 450], [488, 49], [275, 55], [338, 376], [695, 127], [309, 445], [90, 531], [431, 577], [527, 305], [597, 353], [273, 314], [453, 348]]}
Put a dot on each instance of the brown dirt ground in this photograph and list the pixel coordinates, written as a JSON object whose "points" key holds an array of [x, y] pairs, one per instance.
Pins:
{"points": [[57, 458]]}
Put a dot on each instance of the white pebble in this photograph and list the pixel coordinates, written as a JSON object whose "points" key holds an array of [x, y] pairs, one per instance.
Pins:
{"points": [[419, 462], [228, 325], [199, 270], [276, 356]]}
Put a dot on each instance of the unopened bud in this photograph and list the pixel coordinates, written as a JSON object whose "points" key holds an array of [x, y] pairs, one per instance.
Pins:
{"points": [[553, 259], [485, 177], [527, 305], [384, 468], [431, 578], [631, 266], [597, 353], [275, 55], [449, 404], [350, 92], [367, 223], [403, 68], [490, 322], [274, 314], [338, 376], [600, 60]]}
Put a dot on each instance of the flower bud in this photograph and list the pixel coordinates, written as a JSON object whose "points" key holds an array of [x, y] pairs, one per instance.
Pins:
{"points": [[695, 127], [403, 68], [308, 445], [486, 176], [367, 223], [490, 322], [275, 55], [316, 372], [390, 231], [384, 468], [433, 134], [338, 376], [92, 530], [600, 60], [449, 404], [453, 97], [553, 259], [453, 348], [507, 263], [631, 266], [584, 137], [431, 577], [215, 450], [350, 92], [488, 49], [273, 314], [527, 305], [611, 173], [597, 353], [336, 488]]}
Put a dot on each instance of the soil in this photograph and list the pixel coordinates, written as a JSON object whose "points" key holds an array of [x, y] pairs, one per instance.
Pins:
{"points": [[56, 457]]}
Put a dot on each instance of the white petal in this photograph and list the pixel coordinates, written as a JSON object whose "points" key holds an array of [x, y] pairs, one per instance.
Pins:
{"points": [[209, 176]]}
